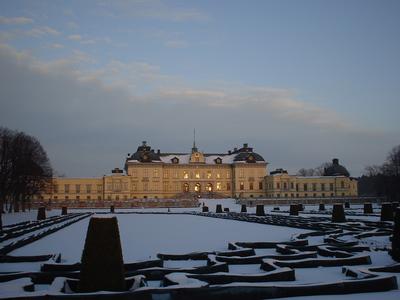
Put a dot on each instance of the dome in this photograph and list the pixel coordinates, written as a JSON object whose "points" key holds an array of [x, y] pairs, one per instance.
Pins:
{"points": [[336, 169]]}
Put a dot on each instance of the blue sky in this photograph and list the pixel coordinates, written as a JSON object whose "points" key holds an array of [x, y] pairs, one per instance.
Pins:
{"points": [[302, 81]]}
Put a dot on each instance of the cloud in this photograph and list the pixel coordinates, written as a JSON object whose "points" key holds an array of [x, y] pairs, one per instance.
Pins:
{"points": [[89, 119], [75, 37], [57, 46], [41, 31], [176, 44], [15, 20]]}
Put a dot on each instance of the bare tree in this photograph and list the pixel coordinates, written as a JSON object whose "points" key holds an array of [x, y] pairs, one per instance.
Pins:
{"points": [[320, 170], [305, 172], [25, 168]]}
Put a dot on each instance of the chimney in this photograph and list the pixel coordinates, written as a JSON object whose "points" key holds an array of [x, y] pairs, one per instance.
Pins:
{"points": [[158, 151], [335, 161], [144, 143]]}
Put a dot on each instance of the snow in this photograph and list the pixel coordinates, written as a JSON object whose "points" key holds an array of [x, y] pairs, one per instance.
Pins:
{"points": [[164, 233], [145, 235]]}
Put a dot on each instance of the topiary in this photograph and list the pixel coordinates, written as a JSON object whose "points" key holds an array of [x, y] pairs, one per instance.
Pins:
{"points": [[243, 209], [386, 212], [205, 208], [294, 210], [102, 266], [338, 214], [321, 206], [64, 211], [368, 208], [260, 210], [395, 252], [41, 213], [218, 209]]}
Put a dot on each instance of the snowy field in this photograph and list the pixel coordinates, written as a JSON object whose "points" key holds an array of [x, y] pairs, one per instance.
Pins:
{"points": [[145, 235]]}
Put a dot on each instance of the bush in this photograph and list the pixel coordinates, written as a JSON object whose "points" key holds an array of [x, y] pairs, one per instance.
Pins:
{"points": [[260, 210], [205, 208], [64, 211], [386, 212], [41, 213], [321, 206], [218, 209], [338, 213], [243, 209], [368, 208], [294, 210], [102, 266], [395, 252]]}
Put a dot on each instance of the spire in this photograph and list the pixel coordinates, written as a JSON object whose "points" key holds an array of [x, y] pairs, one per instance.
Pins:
{"points": [[194, 148]]}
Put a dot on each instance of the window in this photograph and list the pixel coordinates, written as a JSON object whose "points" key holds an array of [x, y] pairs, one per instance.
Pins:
{"points": [[77, 198], [208, 174], [55, 188], [323, 194], [305, 195], [134, 173], [197, 175], [228, 186], [260, 185], [117, 197], [155, 173], [292, 185], [165, 174], [88, 197], [228, 174], [305, 187], [285, 185], [99, 188], [314, 186], [286, 195], [241, 185], [278, 185], [219, 186], [145, 186], [342, 184], [66, 197], [176, 174], [331, 187], [241, 173], [88, 188], [98, 197], [218, 175], [78, 188], [145, 172], [250, 185], [134, 187], [322, 186], [185, 175], [297, 187]]}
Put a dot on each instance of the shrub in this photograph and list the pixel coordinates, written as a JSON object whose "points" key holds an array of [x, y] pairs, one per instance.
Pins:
{"points": [[338, 213], [218, 209], [205, 208], [243, 209], [102, 266], [321, 206], [64, 211], [41, 213], [386, 212], [368, 208], [260, 210], [294, 210], [395, 252]]}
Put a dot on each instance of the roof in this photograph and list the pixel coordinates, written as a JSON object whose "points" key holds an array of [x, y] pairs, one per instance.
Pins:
{"points": [[145, 154]]}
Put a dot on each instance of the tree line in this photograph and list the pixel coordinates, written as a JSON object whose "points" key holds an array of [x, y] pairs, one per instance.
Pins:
{"points": [[25, 169], [382, 180]]}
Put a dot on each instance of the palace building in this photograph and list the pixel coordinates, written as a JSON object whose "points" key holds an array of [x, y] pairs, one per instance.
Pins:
{"points": [[239, 173]]}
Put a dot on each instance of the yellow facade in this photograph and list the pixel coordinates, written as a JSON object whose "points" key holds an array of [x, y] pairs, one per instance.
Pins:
{"points": [[283, 185], [240, 173]]}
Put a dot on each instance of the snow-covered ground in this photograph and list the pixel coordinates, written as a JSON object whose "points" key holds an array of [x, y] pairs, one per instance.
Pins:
{"points": [[145, 235]]}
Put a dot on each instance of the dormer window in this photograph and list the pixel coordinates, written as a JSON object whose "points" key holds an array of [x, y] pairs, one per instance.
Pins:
{"points": [[175, 160], [251, 159], [218, 161]]}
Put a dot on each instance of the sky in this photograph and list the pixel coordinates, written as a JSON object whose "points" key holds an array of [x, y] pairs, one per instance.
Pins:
{"points": [[300, 81]]}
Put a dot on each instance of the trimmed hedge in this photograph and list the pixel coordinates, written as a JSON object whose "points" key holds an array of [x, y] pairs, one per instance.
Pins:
{"points": [[41, 215], [338, 213], [102, 266], [260, 210]]}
